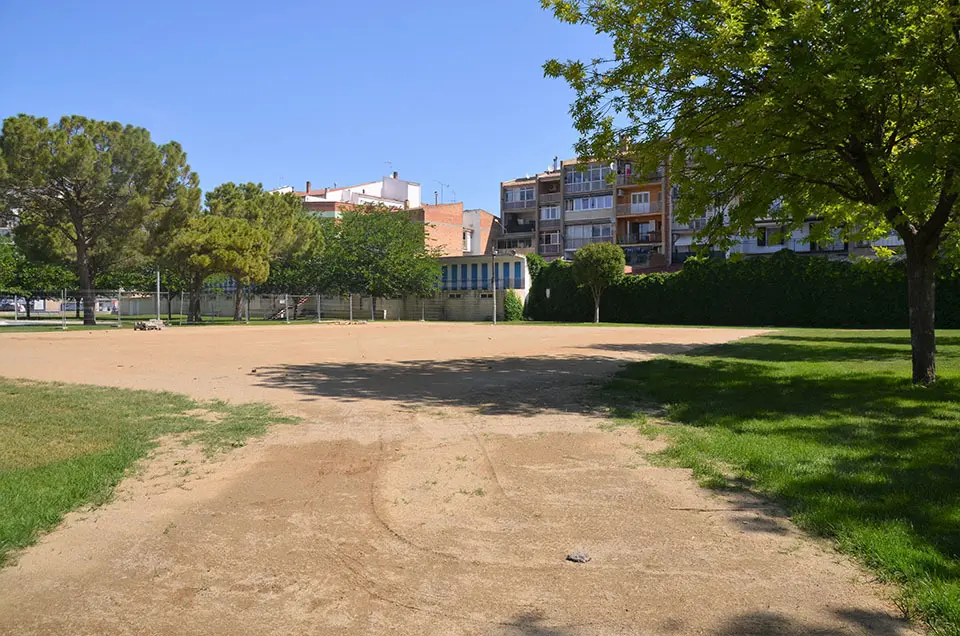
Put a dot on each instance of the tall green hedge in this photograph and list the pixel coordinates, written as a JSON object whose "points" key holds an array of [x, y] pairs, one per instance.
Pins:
{"points": [[786, 289]]}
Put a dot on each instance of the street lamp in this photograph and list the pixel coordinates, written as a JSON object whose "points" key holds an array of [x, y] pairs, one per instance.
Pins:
{"points": [[493, 261]]}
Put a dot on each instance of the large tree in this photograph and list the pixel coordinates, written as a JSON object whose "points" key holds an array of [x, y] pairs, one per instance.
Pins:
{"points": [[597, 266], [290, 231], [848, 110], [211, 244], [382, 252], [86, 188]]}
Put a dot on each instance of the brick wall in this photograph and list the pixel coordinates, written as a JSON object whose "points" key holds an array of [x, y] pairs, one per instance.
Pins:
{"points": [[445, 227]]}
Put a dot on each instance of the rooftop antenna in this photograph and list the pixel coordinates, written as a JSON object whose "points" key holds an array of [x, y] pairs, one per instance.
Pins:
{"points": [[389, 166], [454, 194], [442, 186]]}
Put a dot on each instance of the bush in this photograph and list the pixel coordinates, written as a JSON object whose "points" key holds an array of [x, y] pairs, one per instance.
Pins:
{"points": [[512, 306], [786, 289]]}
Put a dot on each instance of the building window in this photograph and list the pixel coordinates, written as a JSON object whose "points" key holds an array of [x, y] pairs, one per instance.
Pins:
{"points": [[486, 295], [550, 213], [473, 276], [455, 296], [550, 238], [463, 276], [443, 275], [515, 195], [590, 203], [484, 275]]}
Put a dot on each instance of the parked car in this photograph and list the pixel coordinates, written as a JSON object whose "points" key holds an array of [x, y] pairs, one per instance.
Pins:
{"points": [[7, 304]]}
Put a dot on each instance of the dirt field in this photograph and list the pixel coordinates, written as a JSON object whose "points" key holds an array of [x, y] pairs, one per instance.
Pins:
{"points": [[439, 478]]}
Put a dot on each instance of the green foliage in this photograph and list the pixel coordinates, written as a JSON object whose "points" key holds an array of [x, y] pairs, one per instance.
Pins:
{"points": [[382, 252], [512, 307], [786, 289], [27, 278], [845, 110], [85, 189], [596, 267], [823, 422], [535, 263], [212, 244]]}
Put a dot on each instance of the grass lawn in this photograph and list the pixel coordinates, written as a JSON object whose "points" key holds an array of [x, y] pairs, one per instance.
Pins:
{"points": [[64, 446], [827, 423]]}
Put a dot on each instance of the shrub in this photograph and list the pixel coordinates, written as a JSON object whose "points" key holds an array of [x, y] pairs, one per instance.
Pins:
{"points": [[786, 289], [512, 306]]}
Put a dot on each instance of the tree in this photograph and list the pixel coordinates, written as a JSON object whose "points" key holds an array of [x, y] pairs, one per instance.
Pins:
{"points": [[535, 263], [290, 231], [381, 252], [212, 244], [597, 266], [845, 109], [29, 279], [512, 307], [86, 187]]}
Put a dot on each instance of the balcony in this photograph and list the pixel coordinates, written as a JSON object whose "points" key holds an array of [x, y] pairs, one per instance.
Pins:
{"points": [[586, 186], [577, 243], [632, 209], [696, 224], [514, 227], [549, 224], [639, 238], [549, 250], [634, 179], [552, 198], [519, 205]]}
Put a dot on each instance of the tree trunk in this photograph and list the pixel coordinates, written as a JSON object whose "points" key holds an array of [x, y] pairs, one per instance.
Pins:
{"points": [[169, 306], [373, 308], [193, 309], [26, 306], [238, 304], [921, 292], [86, 285], [596, 309], [76, 307]]}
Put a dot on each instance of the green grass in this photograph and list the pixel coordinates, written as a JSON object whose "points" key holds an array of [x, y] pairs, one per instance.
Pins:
{"points": [[827, 423], [64, 446]]}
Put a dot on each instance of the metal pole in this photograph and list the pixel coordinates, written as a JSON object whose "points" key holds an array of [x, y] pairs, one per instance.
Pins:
{"points": [[16, 306], [351, 307], [158, 295], [248, 309], [119, 297], [181, 307], [423, 311], [286, 307], [319, 317], [63, 313], [493, 260]]}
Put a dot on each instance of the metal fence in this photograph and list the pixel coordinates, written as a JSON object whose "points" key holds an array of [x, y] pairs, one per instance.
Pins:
{"points": [[63, 309]]}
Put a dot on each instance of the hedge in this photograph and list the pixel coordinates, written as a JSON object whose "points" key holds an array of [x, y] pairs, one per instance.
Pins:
{"points": [[787, 289]]}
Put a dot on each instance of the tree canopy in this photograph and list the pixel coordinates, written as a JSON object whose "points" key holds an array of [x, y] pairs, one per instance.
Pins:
{"points": [[597, 266], [83, 189], [846, 110]]}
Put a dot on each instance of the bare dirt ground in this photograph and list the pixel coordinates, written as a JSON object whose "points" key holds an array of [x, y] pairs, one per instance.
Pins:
{"points": [[439, 477]]}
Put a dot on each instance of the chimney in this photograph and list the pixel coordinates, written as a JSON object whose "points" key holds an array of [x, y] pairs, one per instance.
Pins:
{"points": [[325, 193], [308, 187], [396, 175]]}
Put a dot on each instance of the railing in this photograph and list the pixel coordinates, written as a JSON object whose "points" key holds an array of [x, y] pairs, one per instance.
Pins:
{"points": [[638, 238], [577, 243], [835, 246], [518, 205], [467, 284], [586, 186], [547, 224], [629, 209], [696, 224], [631, 179], [549, 250], [519, 228], [550, 199]]}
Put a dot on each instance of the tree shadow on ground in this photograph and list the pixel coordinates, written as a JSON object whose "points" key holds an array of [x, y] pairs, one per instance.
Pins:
{"points": [[852, 450], [774, 624], [505, 386]]}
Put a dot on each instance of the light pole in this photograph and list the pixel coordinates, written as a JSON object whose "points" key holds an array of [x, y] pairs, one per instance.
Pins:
{"points": [[493, 261]]}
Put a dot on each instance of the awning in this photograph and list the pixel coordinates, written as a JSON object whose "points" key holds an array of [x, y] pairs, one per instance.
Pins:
{"points": [[684, 241]]}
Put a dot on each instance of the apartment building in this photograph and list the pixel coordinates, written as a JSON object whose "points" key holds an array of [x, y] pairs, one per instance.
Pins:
{"points": [[573, 204], [329, 202]]}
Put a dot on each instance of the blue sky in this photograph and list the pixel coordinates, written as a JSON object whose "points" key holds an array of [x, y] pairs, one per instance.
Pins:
{"points": [[282, 92]]}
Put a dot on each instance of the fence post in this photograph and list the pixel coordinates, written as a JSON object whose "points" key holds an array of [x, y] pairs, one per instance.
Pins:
{"points": [[423, 312], [286, 307], [63, 313], [248, 309], [181, 307], [119, 298], [319, 310], [351, 307]]}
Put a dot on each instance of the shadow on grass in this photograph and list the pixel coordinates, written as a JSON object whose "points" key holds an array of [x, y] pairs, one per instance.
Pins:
{"points": [[831, 427]]}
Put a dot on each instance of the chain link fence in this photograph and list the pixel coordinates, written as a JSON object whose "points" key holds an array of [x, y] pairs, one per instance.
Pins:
{"points": [[63, 309]]}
